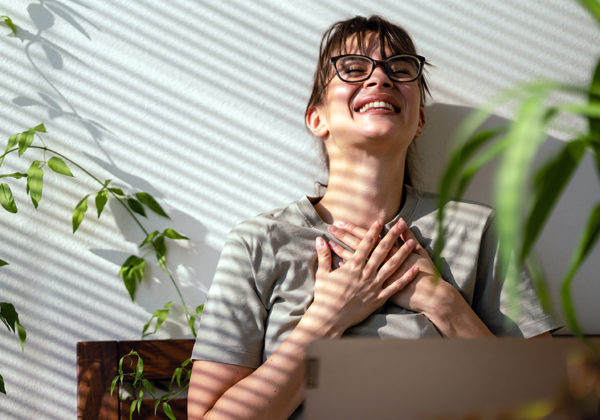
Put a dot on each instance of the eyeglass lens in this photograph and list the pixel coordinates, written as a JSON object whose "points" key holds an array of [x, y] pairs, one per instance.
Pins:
{"points": [[356, 68]]}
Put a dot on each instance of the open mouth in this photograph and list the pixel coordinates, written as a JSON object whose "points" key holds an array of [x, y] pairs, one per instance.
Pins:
{"points": [[378, 105]]}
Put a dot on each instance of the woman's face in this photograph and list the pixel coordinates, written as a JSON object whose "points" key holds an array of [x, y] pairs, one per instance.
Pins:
{"points": [[350, 117]]}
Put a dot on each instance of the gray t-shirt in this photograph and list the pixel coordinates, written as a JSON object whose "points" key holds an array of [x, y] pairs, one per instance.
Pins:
{"points": [[265, 277]]}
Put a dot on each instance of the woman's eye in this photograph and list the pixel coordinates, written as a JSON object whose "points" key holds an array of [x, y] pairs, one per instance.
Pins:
{"points": [[355, 70]]}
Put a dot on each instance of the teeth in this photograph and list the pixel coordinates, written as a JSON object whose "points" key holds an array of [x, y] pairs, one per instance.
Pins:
{"points": [[376, 104]]}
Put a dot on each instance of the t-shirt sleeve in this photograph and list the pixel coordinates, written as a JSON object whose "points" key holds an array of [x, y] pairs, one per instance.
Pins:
{"points": [[517, 312], [232, 323]]}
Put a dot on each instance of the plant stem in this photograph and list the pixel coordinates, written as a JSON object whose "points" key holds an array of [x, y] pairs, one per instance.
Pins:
{"points": [[137, 221], [98, 180], [120, 200]]}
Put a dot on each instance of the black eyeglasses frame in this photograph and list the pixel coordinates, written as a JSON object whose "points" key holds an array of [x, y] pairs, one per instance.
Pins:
{"points": [[382, 63]]}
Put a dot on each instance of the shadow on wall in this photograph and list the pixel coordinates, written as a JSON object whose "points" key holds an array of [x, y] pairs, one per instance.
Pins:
{"points": [[43, 16], [564, 226], [193, 264]]}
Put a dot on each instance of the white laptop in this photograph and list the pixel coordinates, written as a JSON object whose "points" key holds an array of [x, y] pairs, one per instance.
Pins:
{"points": [[438, 378]]}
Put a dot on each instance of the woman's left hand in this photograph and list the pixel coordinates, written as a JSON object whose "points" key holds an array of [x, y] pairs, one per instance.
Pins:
{"points": [[428, 293], [422, 294]]}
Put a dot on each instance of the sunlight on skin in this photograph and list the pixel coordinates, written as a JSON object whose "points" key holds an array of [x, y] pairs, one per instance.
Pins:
{"points": [[367, 150], [342, 298]]}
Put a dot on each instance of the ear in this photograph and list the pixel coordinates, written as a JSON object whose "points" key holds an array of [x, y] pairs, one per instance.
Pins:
{"points": [[316, 123], [421, 124]]}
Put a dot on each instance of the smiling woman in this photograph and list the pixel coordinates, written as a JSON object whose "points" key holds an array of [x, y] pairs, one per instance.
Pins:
{"points": [[356, 261]]}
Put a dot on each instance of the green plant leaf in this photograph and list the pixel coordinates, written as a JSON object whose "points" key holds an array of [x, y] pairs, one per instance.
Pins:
{"points": [[549, 182], [148, 239], [168, 411], [176, 377], [534, 268], [525, 136], [191, 322], [10, 318], [139, 369], [588, 239], [35, 182], [25, 141], [160, 249], [113, 384], [6, 199], [477, 163], [79, 212], [171, 234], [12, 142], [148, 385], [117, 191], [59, 166], [151, 203], [132, 272], [136, 206], [467, 144], [8, 315], [160, 315], [594, 99], [101, 200], [8, 22], [132, 408], [593, 8], [22, 334], [40, 128], [16, 175], [3, 263]]}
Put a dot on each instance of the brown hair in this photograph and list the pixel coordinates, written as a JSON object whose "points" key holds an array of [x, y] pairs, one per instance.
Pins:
{"points": [[391, 36]]}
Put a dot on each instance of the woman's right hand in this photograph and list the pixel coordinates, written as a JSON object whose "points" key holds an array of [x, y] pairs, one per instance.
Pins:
{"points": [[347, 295]]}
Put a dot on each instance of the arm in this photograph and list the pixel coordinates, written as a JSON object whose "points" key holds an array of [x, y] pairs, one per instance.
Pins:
{"points": [[438, 300], [342, 297]]}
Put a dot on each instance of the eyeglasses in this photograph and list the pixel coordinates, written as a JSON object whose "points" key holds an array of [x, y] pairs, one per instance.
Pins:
{"points": [[402, 68]]}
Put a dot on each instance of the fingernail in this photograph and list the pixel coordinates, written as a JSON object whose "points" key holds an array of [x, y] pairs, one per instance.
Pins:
{"points": [[332, 229], [341, 223], [410, 243], [320, 242]]}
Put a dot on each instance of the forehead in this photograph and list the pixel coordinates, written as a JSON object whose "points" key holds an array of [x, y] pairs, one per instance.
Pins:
{"points": [[368, 43]]}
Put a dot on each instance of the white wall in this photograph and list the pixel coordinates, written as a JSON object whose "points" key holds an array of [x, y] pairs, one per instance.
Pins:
{"points": [[201, 104]]}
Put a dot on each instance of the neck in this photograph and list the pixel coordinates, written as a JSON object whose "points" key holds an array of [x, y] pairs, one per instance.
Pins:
{"points": [[363, 189]]}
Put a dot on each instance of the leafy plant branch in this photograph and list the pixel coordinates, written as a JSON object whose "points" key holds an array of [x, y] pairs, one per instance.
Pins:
{"points": [[133, 269], [517, 144], [141, 386]]}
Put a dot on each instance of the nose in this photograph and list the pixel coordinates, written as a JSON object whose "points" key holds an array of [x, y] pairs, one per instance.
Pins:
{"points": [[379, 78]]}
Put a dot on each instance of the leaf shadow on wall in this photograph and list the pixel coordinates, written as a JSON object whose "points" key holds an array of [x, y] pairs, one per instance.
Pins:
{"points": [[43, 16]]}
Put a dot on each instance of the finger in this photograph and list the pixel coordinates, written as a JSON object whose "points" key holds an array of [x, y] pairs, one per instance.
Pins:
{"points": [[340, 251], [398, 284], [383, 248], [394, 262], [408, 234], [367, 243], [323, 256], [357, 231], [345, 236]]}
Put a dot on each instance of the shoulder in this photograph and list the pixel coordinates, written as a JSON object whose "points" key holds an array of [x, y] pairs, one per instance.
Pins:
{"points": [[265, 224], [461, 212], [272, 232]]}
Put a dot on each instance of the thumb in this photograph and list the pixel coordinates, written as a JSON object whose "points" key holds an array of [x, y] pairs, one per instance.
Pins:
{"points": [[323, 255]]}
